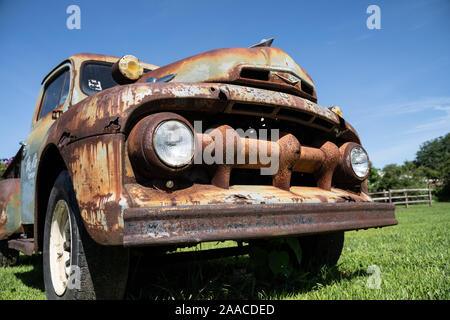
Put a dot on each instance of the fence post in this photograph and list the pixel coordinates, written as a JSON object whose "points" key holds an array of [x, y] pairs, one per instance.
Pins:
{"points": [[390, 196], [429, 195], [406, 198]]}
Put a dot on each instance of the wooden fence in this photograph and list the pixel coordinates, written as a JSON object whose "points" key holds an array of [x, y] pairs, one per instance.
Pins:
{"points": [[414, 196]]}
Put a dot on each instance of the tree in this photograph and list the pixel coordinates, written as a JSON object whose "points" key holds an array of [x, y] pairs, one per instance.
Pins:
{"points": [[405, 176], [373, 180], [434, 159], [434, 156]]}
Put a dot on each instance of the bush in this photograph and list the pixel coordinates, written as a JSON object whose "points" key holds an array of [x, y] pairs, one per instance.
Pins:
{"points": [[2, 169], [399, 177]]}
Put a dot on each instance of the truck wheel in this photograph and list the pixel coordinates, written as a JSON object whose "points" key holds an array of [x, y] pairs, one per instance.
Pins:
{"points": [[321, 250], [8, 257], [75, 266]]}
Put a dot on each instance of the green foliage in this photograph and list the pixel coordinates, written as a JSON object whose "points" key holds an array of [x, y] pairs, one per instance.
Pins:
{"points": [[434, 159], [432, 163], [2, 169], [373, 180], [399, 177]]}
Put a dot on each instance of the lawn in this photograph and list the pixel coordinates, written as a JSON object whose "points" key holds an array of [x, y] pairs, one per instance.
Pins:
{"points": [[411, 259]]}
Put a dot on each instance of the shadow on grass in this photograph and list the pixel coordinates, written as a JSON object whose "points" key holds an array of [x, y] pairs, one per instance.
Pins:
{"points": [[32, 278], [226, 278]]}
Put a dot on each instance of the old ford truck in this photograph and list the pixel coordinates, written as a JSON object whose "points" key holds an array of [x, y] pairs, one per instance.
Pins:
{"points": [[229, 144]]}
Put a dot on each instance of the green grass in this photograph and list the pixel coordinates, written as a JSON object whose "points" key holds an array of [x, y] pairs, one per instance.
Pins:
{"points": [[23, 281], [413, 258]]}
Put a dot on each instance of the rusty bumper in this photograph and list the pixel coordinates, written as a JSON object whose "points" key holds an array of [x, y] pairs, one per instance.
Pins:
{"points": [[193, 224]]}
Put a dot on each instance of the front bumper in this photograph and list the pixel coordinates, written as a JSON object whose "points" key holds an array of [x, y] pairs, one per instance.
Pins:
{"points": [[198, 223]]}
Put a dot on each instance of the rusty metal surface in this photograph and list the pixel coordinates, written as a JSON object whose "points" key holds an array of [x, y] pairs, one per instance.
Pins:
{"points": [[123, 104], [199, 194], [331, 160], [95, 165], [287, 150], [192, 224], [95, 155], [10, 217], [310, 160], [267, 66], [93, 137], [219, 61]]}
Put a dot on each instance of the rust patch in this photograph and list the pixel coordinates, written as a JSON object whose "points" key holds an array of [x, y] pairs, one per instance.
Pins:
{"points": [[192, 224], [10, 216], [199, 194], [96, 165], [248, 66], [91, 135]]}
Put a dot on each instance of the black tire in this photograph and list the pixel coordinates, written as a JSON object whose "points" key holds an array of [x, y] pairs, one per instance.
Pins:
{"points": [[103, 270], [8, 257], [321, 250]]}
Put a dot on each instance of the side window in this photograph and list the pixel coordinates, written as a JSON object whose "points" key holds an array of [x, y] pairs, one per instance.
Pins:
{"points": [[55, 93]]}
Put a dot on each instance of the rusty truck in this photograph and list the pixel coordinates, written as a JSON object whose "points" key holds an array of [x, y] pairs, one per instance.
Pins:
{"points": [[116, 162]]}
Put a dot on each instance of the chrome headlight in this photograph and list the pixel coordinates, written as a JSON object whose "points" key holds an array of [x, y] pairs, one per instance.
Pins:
{"points": [[359, 161], [354, 166], [161, 145], [173, 142]]}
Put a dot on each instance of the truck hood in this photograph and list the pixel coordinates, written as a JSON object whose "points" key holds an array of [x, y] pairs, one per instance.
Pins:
{"points": [[263, 67]]}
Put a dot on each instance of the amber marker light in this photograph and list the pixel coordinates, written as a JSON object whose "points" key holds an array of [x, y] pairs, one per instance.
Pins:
{"points": [[337, 110], [127, 69]]}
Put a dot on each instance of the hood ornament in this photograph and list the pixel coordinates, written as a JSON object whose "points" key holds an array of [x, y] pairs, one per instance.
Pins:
{"points": [[263, 43], [290, 79]]}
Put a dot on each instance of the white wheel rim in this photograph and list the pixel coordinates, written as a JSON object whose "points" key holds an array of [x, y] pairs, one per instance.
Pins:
{"points": [[60, 259]]}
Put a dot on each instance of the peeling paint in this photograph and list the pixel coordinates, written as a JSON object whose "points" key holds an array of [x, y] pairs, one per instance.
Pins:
{"points": [[119, 205]]}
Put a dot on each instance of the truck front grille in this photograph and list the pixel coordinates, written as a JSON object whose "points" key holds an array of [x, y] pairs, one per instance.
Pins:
{"points": [[283, 113]]}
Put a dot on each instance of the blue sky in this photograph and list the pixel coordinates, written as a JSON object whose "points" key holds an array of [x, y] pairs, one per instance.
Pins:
{"points": [[392, 84]]}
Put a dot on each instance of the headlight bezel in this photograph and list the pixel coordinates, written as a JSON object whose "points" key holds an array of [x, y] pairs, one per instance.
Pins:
{"points": [[346, 165], [143, 156]]}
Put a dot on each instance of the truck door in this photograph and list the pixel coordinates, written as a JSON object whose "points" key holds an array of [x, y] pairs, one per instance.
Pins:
{"points": [[53, 97]]}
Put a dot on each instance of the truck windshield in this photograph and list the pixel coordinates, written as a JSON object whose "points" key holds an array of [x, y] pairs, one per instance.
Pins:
{"points": [[96, 77]]}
